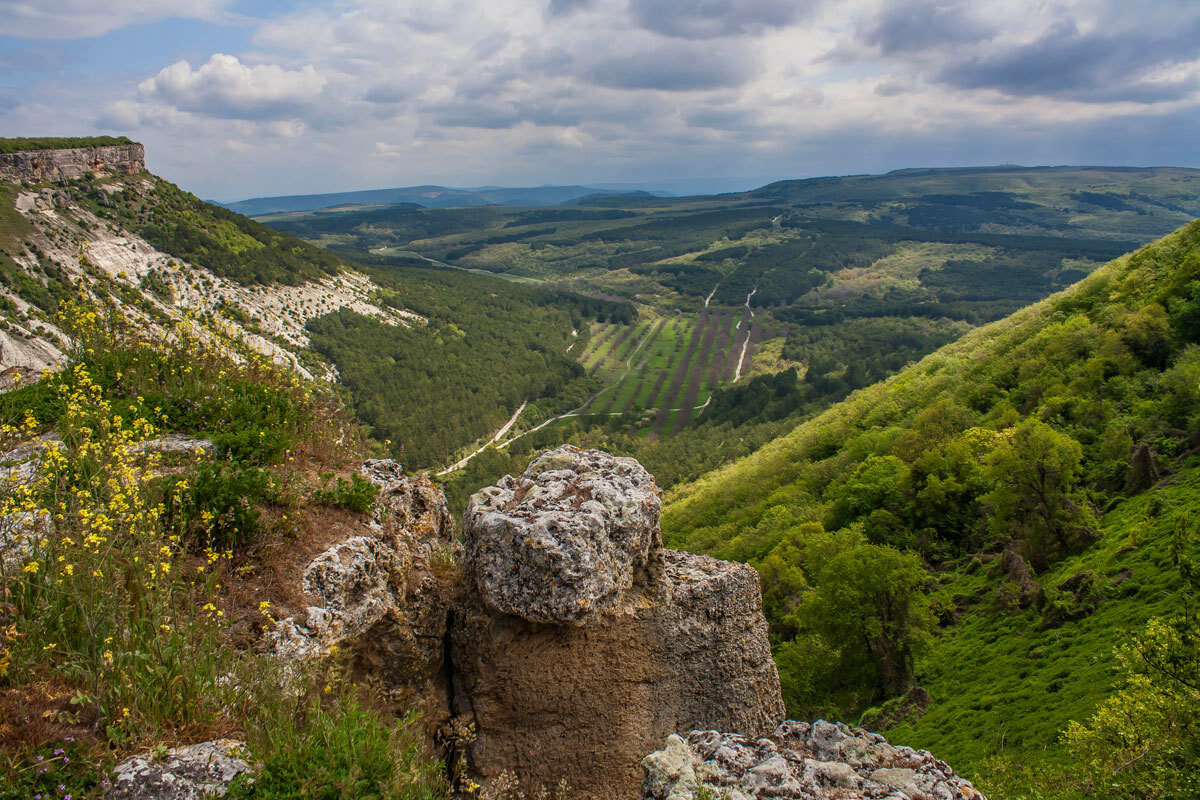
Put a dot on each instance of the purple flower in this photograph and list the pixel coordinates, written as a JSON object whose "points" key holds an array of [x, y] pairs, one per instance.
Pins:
{"points": [[39, 758]]}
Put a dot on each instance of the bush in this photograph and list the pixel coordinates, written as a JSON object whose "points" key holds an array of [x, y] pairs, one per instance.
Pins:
{"points": [[215, 504], [356, 494]]}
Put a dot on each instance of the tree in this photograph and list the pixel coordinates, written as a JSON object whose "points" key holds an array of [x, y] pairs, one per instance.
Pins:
{"points": [[1033, 472], [869, 602], [876, 483]]}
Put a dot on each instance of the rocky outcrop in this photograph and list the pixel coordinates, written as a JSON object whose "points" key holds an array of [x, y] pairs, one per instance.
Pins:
{"points": [[59, 166], [566, 540], [384, 596], [587, 644], [799, 761], [184, 773]]}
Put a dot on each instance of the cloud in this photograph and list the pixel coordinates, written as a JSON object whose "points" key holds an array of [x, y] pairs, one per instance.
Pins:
{"points": [[710, 19], [560, 8], [503, 91], [76, 19], [670, 66], [921, 25], [1093, 66], [225, 87]]}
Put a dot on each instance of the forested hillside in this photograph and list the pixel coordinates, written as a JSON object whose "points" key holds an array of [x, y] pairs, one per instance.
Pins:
{"points": [[760, 308], [985, 524]]}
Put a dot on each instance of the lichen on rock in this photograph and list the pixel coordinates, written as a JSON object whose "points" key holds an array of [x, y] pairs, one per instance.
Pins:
{"points": [[799, 761], [563, 542], [185, 773]]}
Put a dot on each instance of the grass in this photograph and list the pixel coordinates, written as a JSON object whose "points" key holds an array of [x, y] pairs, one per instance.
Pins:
{"points": [[17, 145], [1004, 683]]}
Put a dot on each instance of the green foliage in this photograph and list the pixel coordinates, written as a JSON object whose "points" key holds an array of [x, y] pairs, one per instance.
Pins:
{"points": [[333, 747], [356, 494], [17, 144], [848, 617], [253, 410], [1033, 471], [216, 504], [1143, 741], [56, 770]]}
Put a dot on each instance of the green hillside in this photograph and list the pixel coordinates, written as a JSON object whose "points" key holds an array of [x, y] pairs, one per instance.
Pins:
{"points": [[1008, 510]]}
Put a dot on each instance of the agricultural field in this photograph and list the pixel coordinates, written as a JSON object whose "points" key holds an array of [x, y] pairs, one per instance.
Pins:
{"points": [[664, 369]]}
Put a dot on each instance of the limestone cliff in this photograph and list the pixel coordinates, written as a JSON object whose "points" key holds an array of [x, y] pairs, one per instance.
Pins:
{"points": [[582, 643], [59, 166], [564, 635]]}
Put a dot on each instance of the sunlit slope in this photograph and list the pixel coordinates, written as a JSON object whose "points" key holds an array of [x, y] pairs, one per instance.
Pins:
{"points": [[1015, 366]]}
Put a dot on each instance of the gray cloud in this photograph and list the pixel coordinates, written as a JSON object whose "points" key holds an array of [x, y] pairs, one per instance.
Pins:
{"points": [[920, 25], [77, 19], [1097, 66], [559, 8], [672, 68], [709, 19]]}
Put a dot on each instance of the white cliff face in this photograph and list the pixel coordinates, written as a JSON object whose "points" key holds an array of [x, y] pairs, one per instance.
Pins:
{"points": [[67, 164], [154, 289]]}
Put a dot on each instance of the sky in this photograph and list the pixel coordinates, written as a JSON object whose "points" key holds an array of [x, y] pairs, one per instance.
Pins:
{"points": [[242, 98]]}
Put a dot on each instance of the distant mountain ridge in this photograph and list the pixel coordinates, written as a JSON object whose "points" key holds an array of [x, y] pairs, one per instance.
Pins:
{"points": [[430, 196]]}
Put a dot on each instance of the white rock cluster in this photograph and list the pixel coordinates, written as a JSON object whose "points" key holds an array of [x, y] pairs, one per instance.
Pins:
{"points": [[799, 761]]}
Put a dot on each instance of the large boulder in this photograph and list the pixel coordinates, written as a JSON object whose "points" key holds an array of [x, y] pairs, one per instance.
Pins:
{"points": [[799, 761], [566, 692], [563, 542]]}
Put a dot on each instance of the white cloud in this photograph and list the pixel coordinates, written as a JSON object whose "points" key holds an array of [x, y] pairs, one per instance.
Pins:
{"points": [[76, 19], [224, 87], [345, 94]]}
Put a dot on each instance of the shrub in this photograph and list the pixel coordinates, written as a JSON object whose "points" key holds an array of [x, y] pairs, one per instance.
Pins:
{"points": [[218, 507], [356, 494]]}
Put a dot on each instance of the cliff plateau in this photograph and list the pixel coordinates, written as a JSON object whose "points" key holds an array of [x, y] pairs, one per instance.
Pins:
{"points": [[61, 165]]}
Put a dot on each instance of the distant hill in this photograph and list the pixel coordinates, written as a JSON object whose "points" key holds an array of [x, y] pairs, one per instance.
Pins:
{"points": [[429, 197]]}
